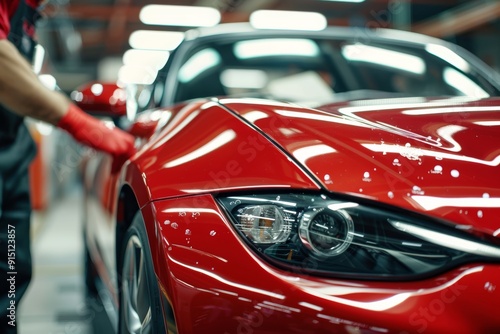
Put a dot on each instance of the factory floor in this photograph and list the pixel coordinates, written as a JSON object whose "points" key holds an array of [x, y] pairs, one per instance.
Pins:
{"points": [[56, 302]]}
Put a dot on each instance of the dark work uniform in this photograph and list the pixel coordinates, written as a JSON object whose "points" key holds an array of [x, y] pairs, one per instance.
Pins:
{"points": [[17, 149]]}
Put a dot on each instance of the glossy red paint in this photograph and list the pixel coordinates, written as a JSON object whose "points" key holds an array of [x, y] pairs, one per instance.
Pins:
{"points": [[101, 99], [208, 149], [438, 157], [199, 253], [207, 273]]}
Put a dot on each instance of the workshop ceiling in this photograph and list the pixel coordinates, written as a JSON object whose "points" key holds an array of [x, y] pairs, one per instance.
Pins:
{"points": [[79, 33]]}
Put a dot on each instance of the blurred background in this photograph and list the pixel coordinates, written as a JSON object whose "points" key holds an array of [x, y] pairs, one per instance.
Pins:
{"points": [[87, 40]]}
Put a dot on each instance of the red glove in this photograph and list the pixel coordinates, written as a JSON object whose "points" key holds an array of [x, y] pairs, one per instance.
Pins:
{"points": [[94, 133]]}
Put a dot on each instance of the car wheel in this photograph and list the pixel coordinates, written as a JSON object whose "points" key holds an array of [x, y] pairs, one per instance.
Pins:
{"points": [[140, 310]]}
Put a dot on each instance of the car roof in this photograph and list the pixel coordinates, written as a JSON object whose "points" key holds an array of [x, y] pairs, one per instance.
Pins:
{"points": [[244, 29]]}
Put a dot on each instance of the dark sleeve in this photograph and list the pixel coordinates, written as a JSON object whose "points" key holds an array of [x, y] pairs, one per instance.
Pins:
{"points": [[4, 19]]}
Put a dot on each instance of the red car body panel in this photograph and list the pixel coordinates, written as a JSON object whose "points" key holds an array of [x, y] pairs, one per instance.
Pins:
{"points": [[437, 157], [232, 155], [207, 273]]}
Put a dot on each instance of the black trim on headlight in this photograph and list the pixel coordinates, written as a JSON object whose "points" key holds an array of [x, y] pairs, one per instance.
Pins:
{"points": [[324, 235]]}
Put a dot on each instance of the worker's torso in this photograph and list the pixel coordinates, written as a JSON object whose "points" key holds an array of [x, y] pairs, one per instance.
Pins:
{"points": [[22, 34]]}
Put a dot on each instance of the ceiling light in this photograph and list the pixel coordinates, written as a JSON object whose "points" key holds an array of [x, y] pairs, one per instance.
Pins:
{"points": [[276, 47], [139, 75], [289, 20], [155, 40], [155, 59], [190, 16]]}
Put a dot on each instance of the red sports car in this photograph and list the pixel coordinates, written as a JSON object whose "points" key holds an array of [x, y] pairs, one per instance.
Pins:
{"points": [[341, 181]]}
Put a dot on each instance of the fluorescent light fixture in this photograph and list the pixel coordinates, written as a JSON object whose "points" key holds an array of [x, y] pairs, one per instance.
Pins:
{"points": [[155, 40], [383, 57], [153, 58], [241, 78], [186, 16], [198, 63], [288, 20], [275, 47], [462, 83], [138, 75], [448, 56]]}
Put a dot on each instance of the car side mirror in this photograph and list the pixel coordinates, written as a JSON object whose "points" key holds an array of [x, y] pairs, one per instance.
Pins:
{"points": [[101, 99]]}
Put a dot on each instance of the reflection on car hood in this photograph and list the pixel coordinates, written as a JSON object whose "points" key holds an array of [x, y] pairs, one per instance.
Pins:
{"points": [[438, 156]]}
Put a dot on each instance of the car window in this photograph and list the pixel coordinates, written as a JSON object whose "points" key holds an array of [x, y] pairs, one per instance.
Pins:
{"points": [[320, 70]]}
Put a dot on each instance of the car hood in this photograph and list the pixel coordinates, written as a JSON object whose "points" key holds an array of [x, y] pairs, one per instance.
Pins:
{"points": [[440, 157]]}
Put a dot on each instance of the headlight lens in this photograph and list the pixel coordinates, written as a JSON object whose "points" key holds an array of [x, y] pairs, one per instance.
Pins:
{"points": [[326, 232], [322, 235], [264, 223]]}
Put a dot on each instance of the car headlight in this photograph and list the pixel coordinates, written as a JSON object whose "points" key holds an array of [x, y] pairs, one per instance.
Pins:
{"points": [[326, 236]]}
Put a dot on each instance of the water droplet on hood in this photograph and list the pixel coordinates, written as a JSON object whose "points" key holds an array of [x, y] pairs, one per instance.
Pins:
{"points": [[175, 226], [486, 195], [213, 233], [188, 232], [390, 194], [416, 190], [489, 287], [455, 173], [396, 162], [166, 222], [366, 177], [480, 214], [437, 170]]}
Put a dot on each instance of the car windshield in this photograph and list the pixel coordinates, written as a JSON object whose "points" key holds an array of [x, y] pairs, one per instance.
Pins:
{"points": [[318, 70]]}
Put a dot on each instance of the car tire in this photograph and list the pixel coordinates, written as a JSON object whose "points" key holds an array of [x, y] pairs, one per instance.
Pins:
{"points": [[140, 309]]}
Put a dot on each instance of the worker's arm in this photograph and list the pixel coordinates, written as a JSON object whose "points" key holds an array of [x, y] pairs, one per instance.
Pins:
{"points": [[23, 93]]}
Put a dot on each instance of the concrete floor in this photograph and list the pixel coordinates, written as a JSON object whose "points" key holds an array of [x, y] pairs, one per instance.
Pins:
{"points": [[56, 302]]}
